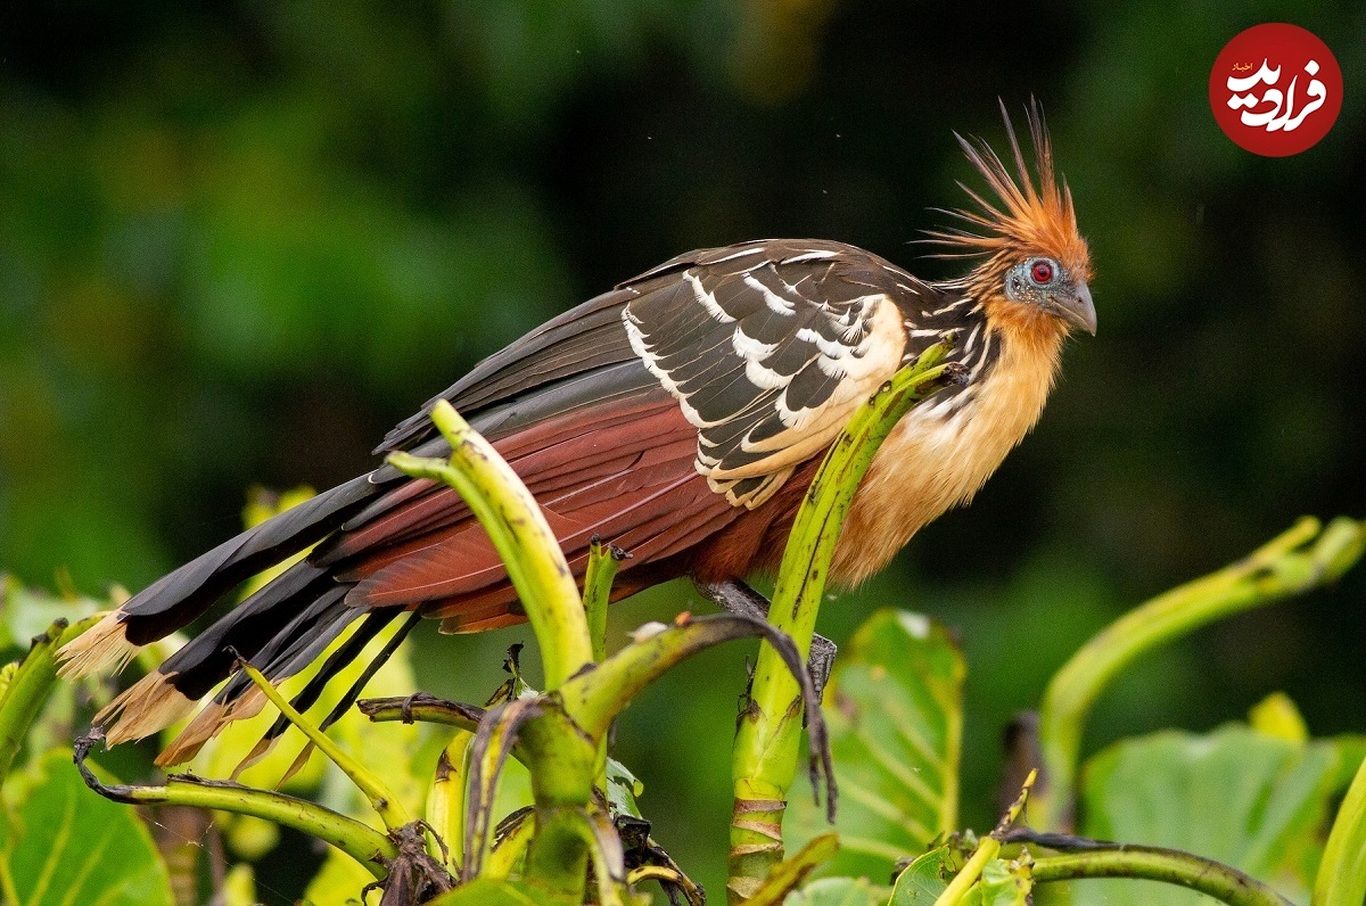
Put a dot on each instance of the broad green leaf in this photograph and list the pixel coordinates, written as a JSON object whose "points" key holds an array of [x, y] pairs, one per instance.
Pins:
{"points": [[837, 892], [60, 843], [1248, 799], [894, 709]]}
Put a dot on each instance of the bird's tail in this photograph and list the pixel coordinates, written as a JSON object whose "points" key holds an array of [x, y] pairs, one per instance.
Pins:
{"points": [[178, 598], [280, 630]]}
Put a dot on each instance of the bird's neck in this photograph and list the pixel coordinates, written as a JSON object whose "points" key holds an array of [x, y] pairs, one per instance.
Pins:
{"points": [[947, 447]]}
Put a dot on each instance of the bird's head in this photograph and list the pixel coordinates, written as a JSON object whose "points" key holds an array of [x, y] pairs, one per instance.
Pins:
{"points": [[1034, 265]]}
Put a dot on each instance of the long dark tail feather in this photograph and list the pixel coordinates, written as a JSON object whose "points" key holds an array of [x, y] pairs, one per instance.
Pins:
{"points": [[178, 598], [283, 625], [341, 657]]}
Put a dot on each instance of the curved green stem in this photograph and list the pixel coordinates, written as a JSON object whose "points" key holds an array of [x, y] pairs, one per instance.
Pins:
{"points": [[361, 842], [519, 532], [596, 697], [422, 708], [1298, 560], [1168, 866]]}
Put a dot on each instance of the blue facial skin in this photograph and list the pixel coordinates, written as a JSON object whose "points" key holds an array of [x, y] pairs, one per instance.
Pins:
{"points": [[1046, 283]]}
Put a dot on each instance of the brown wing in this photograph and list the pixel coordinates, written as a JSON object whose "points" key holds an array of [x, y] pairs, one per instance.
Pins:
{"points": [[769, 347], [649, 419]]}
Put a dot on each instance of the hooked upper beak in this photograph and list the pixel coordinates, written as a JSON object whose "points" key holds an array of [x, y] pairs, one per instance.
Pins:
{"points": [[1077, 309]]}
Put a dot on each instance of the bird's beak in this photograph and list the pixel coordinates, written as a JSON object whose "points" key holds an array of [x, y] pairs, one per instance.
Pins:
{"points": [[1077, 309]]}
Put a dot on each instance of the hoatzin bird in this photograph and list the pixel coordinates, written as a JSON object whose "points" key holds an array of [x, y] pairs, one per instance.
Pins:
{"points": [[679, 416]]}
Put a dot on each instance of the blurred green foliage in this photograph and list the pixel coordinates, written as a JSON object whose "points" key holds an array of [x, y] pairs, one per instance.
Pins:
{"points": [[239, 240]]}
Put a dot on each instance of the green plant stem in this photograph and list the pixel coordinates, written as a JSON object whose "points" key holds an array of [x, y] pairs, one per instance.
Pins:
{"points": [[769, 733], [596, 697], [445, 807], [988, 848], [29, 686], [562, 759], [1341, 879], [1169, 866], [367, 846], [603, 562], [510, 850], [519, 532], [422, 708], [382, 799], [1298, 560]]}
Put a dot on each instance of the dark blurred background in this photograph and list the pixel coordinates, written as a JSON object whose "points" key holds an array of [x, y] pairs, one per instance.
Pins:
{"points": [[239, 240]]}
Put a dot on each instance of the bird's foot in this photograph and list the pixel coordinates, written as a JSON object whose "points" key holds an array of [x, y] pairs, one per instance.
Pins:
{"points": [[734, 596]]}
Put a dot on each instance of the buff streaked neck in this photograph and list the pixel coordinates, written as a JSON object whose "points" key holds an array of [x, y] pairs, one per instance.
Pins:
{"points": [[936, 459]]}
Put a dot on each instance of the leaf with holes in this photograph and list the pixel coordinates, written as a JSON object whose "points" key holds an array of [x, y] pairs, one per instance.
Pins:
{"points": [[60, 843], [894, 706], [1255, 801]]}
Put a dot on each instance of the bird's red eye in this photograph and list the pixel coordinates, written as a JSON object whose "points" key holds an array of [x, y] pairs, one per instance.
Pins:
{"points": [[1042, 272]]}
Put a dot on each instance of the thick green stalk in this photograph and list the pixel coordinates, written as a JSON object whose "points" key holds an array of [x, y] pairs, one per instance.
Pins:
{"points": [[22, 699], [562, 760], [518, 529], [1342, 872], [1300, 559], [769, 734], [1168, 866], [445, 808], [603, 562]]}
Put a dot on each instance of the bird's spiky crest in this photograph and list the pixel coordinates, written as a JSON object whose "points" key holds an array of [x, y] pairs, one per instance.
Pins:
{"points": [[1034, 214]]}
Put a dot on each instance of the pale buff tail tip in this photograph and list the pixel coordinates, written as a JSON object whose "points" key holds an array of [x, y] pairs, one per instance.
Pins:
{"points": [[146, 707], [101, 649], [207, 724]]}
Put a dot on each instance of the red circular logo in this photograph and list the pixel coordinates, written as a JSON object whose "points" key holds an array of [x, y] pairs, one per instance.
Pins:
{"points": [[1275, 89]]}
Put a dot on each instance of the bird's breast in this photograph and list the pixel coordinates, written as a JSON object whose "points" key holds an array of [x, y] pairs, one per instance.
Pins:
{"points": [[941, 454]]}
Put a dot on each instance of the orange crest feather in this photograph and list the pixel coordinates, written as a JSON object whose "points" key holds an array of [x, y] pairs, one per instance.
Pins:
{"points": [[1031, 219]]}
